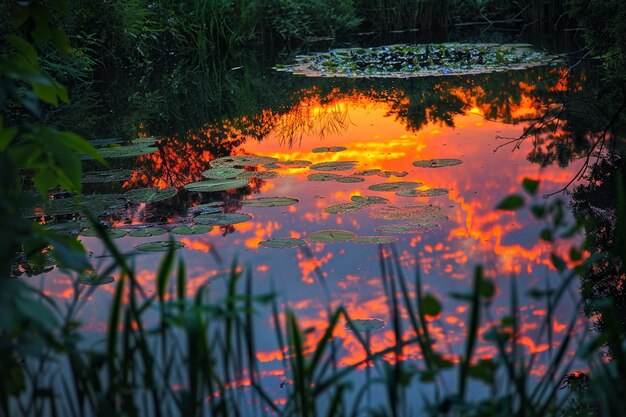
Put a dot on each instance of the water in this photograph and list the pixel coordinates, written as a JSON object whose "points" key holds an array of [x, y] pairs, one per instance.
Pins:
{"points": [[385, 125]]}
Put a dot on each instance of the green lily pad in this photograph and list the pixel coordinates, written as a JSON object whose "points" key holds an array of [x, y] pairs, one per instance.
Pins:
{"points": [[196, 229], [328, 236], [437, 163], [368, 172], [349, 179], [212, 204], [93, 278], [222, 173], [365, 325], [388, 174], [369, 199], [112, 233], [374, 240], [126, 151], [160, 246], [243, 160], [394, 186], [66, 228], [323, 177], [113, 175], [147, 232], [269, 202], [216, 185], [222, 219], [334, 166], [282, 243], [329, 149], [145, 141], [96, 204], [344, 208], [425, 213], [150, 195], [407, 228], [261, 175], [431, 192]]}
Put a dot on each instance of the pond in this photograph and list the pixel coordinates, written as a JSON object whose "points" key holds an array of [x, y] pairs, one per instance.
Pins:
{"points": [[303, 190]]}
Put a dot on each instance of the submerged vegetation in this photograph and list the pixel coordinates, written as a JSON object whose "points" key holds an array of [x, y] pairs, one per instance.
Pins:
{"points": [[185, 71]]}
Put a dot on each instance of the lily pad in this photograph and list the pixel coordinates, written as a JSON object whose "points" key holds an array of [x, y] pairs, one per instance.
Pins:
{"points": [[323, 177], [126, 151], [349, 179], [112, 175], [97, 204], [344, 208], [431, 192], [328, 236], [147, 232], [243, 160], [160, 246], [222, 172], [269, 202], [212, 204], [369, 199], [407, 228], [261, 175], [417, 213], [112, 233], [150, 195], [374, 240], [93, 278], [368, 172], [334, 166], [388, 174], [281, 243], [366, 325], [66, 228], [216, 185], [329, 149], [394, 186], [196, 229], [437, 163], [222, 219]]}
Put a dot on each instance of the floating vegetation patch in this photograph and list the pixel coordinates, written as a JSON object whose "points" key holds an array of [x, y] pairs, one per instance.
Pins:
{"points": [[387, 174], [329, 236], [93, 278], [124, 151], [403, 61], [147, 232], [112, 175], [323, 177], [369, 199], [437, 163], [344, 208], [368, 172], [150, 195], [407, 228], [375, 240], [96, 204], [349, 179], [243, 160], [261, 175], [424, 213], [66, 228], [112, 233], [160, 246], [216, 185], [196, 229], [431, 192], [329, 149], [333, 166], [394, 186], [365, 325], [222, 219], [222, 172], [282, 243], [269, 202]]}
